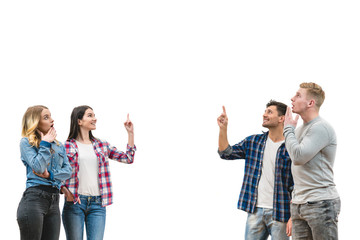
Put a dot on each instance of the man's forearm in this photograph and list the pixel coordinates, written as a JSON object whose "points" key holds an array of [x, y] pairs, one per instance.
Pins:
{"points": [[223, 141]]}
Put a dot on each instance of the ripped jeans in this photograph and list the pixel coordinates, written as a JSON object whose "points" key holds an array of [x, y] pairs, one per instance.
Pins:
{"points": [[260, 225]]}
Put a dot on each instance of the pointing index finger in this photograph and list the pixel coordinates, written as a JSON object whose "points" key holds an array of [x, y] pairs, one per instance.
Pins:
{"points": [[224, 111]]}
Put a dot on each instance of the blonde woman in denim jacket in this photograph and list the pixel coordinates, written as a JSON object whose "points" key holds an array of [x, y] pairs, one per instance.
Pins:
{"points": [[89, 191], [47, 166]]}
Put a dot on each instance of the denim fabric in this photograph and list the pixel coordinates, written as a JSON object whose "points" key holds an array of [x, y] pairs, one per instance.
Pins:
{"points": [[260, 225], [315, 220], [38, 215], [89, 212], [50, 156]]}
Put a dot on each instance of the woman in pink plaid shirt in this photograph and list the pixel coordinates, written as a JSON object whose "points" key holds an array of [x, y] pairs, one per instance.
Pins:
{"points": [[88, 191]]}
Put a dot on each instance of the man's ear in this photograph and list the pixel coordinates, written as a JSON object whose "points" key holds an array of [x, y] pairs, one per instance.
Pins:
{"points": [[311, 103], [282, 118]]}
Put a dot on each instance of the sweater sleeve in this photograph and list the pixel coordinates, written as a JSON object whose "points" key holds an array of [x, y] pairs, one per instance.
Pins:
{"points": [[315, 139]]}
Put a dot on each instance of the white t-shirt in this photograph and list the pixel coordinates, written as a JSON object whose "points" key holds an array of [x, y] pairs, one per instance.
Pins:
{"points": [[267, 179], [88, 170]]}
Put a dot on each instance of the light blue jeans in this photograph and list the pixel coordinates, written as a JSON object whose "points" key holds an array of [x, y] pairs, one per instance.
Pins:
{"points": [[260, 225], [89, 212]]}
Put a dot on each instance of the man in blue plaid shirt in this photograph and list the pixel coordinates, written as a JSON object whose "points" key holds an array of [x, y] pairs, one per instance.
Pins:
{"points": [[267, 184]]}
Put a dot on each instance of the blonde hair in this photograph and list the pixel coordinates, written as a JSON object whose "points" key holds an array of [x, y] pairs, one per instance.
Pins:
{"points": [[314, 90], [30, 124]]}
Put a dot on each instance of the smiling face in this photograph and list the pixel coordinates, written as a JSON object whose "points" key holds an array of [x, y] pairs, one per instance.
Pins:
{"points": [[271, 118], [88, 122], [300, 101], [46, 122]]}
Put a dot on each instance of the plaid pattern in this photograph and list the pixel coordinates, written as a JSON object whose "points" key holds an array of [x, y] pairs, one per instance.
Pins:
{"points": [[103, 151], [252, 149]]}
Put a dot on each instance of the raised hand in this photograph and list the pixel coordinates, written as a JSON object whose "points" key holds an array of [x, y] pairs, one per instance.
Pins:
{"points": [[130, 129], [49, 136], [129, 125], [289, 118], [222, 120]]}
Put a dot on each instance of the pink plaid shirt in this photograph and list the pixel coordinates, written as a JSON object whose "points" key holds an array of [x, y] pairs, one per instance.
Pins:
{"points": [[103, 151]]}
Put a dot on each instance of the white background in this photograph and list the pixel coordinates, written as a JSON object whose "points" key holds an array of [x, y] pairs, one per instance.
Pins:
{"points": [[172, 65]]}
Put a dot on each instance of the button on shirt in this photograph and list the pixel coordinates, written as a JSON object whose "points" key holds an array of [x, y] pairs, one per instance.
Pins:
{"points": [[252, 150]]}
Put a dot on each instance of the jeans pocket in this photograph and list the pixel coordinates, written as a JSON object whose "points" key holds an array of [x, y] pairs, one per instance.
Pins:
{"points": [[69, 203], [32, 195], [336, 208], [316, 203], [97, 201]]}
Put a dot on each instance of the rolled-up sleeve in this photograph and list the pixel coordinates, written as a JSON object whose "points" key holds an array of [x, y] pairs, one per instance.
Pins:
{"points": [[233, 152]]}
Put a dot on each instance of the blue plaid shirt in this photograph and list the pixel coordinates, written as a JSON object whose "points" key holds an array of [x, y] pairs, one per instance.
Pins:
{"points": [[252, 150]]}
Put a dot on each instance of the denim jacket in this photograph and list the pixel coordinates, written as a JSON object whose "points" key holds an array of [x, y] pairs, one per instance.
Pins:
{"points": [[49, 155]]}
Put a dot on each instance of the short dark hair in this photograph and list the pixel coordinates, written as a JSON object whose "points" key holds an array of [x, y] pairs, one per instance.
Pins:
{"points": [[78, 114], [280, 107]]}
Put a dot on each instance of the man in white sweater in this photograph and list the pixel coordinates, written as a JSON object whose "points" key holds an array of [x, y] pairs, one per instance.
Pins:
{"points": [[315, 202]]}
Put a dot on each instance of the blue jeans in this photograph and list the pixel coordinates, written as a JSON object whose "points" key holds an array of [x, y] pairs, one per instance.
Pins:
{"points": [[89, 212], [260, 225], [315, 220], [38, 215]]}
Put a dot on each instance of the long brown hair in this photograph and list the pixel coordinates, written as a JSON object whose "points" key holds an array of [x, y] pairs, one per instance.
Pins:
{"points": [[78, 114]]}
